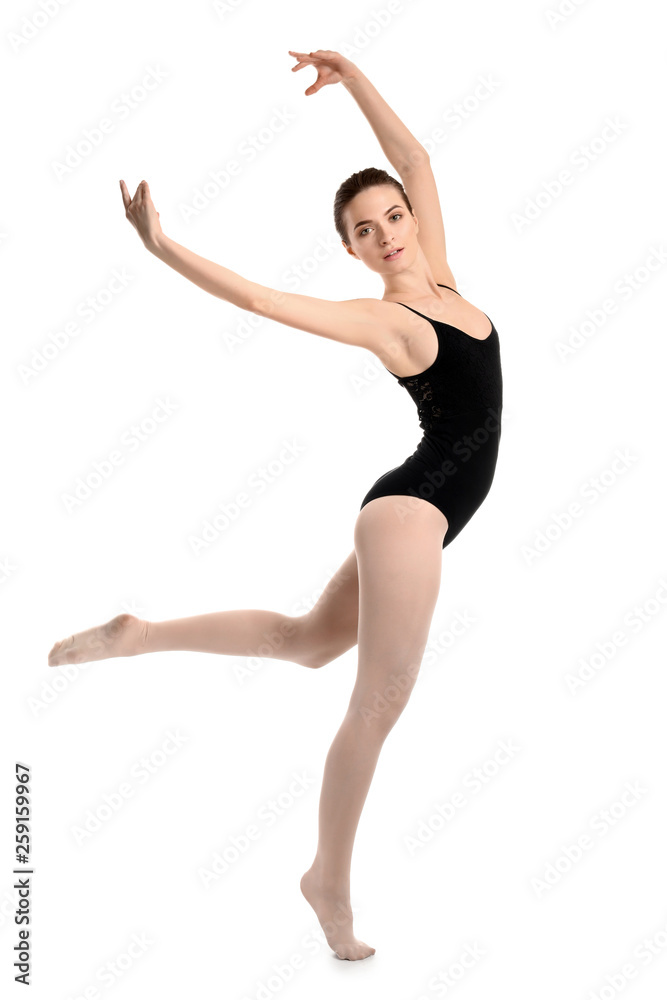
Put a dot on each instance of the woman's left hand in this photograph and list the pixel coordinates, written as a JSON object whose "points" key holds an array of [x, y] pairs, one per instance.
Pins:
{"points": [[141, 212]]}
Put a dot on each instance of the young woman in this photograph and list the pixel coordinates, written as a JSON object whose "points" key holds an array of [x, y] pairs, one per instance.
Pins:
{"points": [[444, 351]]}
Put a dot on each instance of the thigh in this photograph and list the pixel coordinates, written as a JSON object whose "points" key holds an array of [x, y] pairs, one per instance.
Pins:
{"points": [[399, 569], [331, 625]]}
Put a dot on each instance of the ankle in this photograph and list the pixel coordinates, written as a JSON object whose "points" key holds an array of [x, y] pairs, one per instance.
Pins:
{"points": [[132, 634], [328, 881]]}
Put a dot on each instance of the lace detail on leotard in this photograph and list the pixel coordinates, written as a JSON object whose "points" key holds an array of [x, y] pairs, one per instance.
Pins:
{"points": [[422, 393], [465, 377]]}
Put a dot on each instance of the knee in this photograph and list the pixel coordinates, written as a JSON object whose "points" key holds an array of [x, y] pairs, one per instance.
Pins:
{"points": [[287, 640], [305, 645], [316, 643], [377, 718], [379, 709]]}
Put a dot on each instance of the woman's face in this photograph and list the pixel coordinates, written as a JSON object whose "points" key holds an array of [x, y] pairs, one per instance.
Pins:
{"points": [[378, 223]]}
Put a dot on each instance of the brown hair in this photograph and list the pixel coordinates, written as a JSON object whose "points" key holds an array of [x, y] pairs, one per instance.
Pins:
{"points": [[355, 183]]}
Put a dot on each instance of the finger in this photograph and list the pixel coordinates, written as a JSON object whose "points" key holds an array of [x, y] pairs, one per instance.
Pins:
{"points": [[314, 87], [147, 194], [303, 57], [125, 193]]}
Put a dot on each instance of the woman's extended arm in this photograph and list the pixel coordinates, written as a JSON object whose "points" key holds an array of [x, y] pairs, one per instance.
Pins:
{"points": [[362, 322]]}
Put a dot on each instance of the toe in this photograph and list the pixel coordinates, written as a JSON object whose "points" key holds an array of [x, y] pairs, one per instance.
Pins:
{"points": [[53, 654]]}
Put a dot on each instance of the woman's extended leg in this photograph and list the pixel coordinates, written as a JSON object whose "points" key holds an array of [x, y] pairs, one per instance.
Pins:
{"points": [[399, 581], [312, 640]]}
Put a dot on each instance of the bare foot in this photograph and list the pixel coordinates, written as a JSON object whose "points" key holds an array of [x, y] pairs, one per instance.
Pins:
{"points": [[123, 635], [335, 916]]}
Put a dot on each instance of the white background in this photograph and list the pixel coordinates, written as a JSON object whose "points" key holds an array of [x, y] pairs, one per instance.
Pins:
{"points": [[538, 614]]}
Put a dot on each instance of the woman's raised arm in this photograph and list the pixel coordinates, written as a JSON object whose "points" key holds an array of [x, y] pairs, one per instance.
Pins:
{"points": [[399, 145], [406, 154]]}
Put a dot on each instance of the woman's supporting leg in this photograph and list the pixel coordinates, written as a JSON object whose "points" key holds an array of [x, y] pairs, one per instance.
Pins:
{"points": [[399, 580], [311, 640]]}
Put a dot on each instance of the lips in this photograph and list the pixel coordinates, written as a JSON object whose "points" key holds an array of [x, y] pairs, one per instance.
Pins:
{"points": [[393, 254]]}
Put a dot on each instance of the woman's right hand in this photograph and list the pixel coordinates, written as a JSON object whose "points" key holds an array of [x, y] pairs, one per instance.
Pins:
{"points": [[331, 67]]}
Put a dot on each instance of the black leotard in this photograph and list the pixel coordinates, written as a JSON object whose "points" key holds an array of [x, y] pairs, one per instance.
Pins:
{"points": [[459, 399]]}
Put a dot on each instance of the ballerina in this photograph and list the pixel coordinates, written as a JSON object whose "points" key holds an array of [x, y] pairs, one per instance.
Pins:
{"points": [[440, 349]]}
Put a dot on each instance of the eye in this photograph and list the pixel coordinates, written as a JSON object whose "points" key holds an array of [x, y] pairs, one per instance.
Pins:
{"points": [[397, 215]]}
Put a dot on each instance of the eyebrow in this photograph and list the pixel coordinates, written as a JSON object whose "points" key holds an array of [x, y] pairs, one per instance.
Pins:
{"points": [[365, 222]]}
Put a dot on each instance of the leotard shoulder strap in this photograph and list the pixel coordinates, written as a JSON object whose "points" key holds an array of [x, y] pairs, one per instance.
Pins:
{"points": [[449, 287]]}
